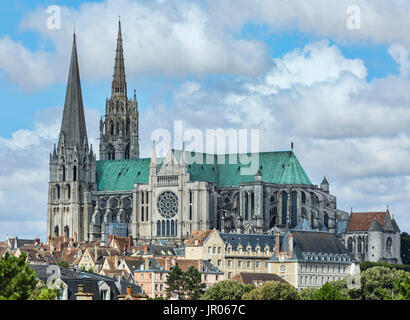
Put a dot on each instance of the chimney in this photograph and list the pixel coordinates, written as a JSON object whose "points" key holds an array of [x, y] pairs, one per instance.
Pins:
{"points": [[146, 263], [75, 236], [116, 261], [129, 291], [290, 245], [167, 266], [145, 248], [277, 244]]}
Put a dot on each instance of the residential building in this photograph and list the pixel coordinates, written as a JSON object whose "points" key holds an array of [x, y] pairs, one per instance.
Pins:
{"points": [[306, 258], [232, 252]]}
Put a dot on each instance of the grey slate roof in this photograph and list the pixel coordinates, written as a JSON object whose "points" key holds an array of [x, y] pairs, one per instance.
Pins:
{"points": [[89, 280], [235, 239], [316, 242], [395, 226]]}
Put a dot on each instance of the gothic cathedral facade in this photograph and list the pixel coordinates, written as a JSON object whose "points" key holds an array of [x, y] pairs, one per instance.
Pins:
{"points": [[153, 199]]}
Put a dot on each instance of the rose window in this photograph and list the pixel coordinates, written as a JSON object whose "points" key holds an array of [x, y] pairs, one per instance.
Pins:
{"points": [[168, 204]]}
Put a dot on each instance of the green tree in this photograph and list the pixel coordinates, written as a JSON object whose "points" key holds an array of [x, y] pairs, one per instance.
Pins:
{"points": [[63, 263], [378, 283], [307, 293], [193, 285], [227, 290], [175, 283], [19, 282], [402, 286], [328, 291], [405, 247], [273, 291]]}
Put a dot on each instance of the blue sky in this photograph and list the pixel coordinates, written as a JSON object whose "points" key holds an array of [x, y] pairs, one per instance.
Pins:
{"points": [[299, 75]]}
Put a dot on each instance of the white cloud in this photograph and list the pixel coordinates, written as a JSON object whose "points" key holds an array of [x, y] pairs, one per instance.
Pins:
{"points": [[170, 38], [355, 132], [24, 173], [382, 22]]}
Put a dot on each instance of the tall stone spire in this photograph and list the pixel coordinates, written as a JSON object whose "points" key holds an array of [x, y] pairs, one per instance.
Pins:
{"points": [[119, 85], [73, 130], [72, 166]]}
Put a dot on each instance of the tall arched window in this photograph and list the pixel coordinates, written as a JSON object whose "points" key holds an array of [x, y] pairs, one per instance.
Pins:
{"points": [[312, 219], [127, 152], [142, 213], [111, 128], [128, 127], [63, 168], [359, 244], [68, 190], [284, 207], [158, 228], [246, 206], [56, 231], [168, 228], [252, 204], [273, 216], [350, 244], [294, 209], [389, 245], [326, 220], [75, 173], [58, 191], [163, 228], [172, 228], [111, 152], [66, 231], [190, 212]]}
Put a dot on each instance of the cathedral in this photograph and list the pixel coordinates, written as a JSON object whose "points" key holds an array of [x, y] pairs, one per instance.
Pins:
{"points": [[154, 199]]}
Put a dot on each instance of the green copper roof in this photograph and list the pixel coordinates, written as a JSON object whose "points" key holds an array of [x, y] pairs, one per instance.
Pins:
{"points": [[280, 167]]}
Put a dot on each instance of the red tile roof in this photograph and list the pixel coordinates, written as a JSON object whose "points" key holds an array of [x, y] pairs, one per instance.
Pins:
{"points": [[198, 237], [361, 221]]}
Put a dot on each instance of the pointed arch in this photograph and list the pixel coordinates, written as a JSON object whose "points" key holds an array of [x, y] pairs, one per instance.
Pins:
{"points": [[111, 126], [326, 220], [111, 152], [158, 228], [66, 231], [127, 152]]}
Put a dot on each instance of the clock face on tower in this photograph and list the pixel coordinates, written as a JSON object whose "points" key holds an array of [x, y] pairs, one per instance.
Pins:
{"points": [[167, 204]]}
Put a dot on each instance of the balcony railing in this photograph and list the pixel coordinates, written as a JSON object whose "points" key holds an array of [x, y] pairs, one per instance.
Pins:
{"points": [[164, 181]]}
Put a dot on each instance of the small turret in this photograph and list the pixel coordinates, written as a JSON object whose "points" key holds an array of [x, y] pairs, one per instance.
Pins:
{"points": [[324, 185]]}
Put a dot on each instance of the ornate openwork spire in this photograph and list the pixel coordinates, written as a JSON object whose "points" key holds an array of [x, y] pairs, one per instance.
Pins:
{"points": [[119, 85]]}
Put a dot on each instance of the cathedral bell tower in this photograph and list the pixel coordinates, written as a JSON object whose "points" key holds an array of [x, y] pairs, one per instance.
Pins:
{"points": [[72, 166], [119, 130]]}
